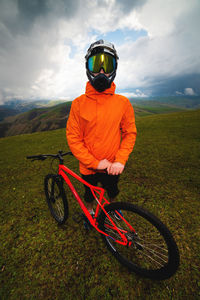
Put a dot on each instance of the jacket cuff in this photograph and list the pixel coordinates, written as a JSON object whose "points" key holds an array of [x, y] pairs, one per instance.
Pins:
{"points": [[120, 160], [95, 164]]}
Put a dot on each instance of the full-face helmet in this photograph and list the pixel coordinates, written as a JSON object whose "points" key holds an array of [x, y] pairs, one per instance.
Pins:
{"points": [[101, 55]]}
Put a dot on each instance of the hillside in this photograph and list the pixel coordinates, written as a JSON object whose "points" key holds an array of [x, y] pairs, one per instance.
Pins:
{"points": [[184, 102], [149, 107], [38, 119], [50, 116], [15, 107], [192, 102], [41, 260], [6, 112]]}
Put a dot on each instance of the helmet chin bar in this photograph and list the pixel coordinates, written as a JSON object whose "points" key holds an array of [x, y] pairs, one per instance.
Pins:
{"points": [[100, 82]]}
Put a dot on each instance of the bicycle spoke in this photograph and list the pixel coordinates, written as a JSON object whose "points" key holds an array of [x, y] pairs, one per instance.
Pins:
{"points": [[153, 260], [113, 233], [56, 197], [117, 222], [154, 245], [155, 253], [148, 246], [59, 209]]}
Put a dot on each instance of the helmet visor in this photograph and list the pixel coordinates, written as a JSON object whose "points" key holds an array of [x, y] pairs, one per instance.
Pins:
{"points": [[102, 60]]}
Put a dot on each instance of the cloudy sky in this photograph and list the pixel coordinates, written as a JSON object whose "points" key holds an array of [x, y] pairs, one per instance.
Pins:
{"points": [[43, 44]]}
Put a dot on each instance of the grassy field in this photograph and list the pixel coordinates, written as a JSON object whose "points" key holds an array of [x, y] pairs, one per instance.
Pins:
{"points": [[41, 260]]}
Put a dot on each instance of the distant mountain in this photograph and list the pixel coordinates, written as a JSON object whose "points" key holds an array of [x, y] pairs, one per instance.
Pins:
{"points": [[14, 107], [37, 119], [6, 112], [188, 102], [157, 105], [55, 117]]}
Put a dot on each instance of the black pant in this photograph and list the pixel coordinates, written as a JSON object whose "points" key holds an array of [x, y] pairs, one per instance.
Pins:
{"points": [[109, 183]]}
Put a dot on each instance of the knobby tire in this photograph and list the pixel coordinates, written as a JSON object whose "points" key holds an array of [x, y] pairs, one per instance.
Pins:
{"points": [[153, 252], [56, 197]]}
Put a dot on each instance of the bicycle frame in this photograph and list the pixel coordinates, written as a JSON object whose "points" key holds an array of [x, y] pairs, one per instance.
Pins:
{"points": [[101, 202]]}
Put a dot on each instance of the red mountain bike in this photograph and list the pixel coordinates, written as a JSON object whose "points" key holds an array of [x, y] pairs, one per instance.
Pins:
{"points": [[137, 239]]}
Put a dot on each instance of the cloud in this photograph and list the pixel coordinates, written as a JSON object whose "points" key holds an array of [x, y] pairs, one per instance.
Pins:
{"points": [[174, 85], [170, 51], [189, 92], [34, 48], [136, 94], [177, 93], [128, 5], [43, 44]]}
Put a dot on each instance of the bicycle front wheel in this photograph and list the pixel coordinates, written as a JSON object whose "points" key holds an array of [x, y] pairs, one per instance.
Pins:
{"points": [[152, 251], [56, 198]]}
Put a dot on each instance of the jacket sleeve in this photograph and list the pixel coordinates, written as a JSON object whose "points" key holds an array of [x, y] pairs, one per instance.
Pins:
{"points": [[129, 133], [75, 139]]}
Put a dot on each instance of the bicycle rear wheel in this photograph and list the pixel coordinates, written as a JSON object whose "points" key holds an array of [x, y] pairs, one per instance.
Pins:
{"points": [[56, 198], [152, 253]]}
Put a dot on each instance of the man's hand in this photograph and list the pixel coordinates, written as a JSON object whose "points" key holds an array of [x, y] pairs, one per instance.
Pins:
{"points": [[104, 164], [115, 169]]}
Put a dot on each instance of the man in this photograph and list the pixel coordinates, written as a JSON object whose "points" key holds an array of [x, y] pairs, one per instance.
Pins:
{"points": [[101, 129]]}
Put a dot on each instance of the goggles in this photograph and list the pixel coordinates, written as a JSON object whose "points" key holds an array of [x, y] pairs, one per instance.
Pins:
{"points": [[101, 60]]}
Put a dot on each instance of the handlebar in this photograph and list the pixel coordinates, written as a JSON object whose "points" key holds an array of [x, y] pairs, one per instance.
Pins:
{"points": [[59, 156]]}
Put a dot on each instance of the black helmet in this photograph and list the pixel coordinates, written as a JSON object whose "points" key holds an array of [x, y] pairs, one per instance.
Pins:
{"points": [[101, 82]]}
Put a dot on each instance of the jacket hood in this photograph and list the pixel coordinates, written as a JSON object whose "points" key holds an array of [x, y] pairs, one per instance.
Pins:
{"points": [[91, 92]]}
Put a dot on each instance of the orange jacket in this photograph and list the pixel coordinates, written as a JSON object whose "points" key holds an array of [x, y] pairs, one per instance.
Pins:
{"points": [[100, 126]]}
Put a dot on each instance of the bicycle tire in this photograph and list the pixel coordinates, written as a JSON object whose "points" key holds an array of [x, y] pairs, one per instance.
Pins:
{"points": [[56, 197], [155, 259]]}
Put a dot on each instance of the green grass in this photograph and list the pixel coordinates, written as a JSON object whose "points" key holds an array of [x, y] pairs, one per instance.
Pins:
{"points": [[41, 260], [144, 108]]}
